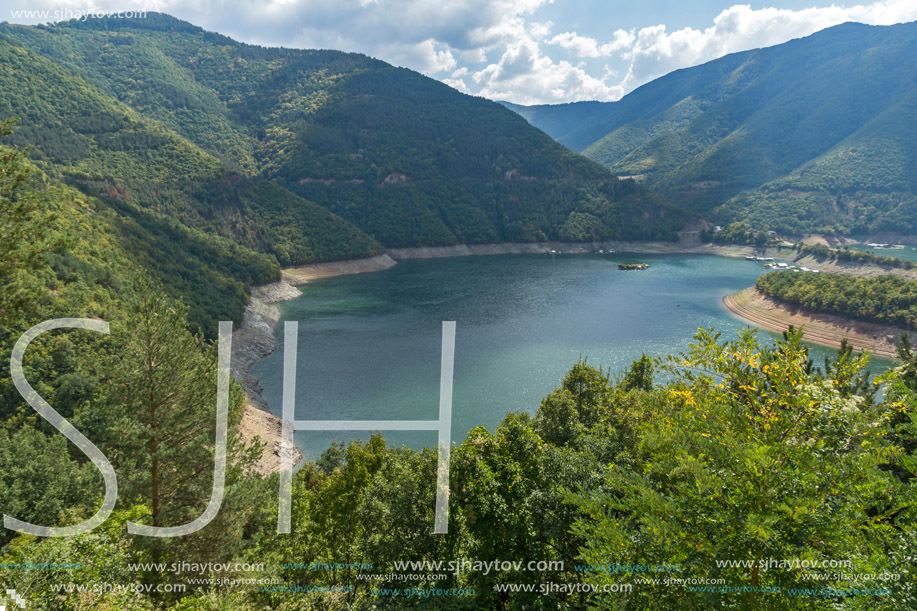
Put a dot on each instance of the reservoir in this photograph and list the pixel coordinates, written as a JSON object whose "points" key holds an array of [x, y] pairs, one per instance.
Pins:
{"points": [[370, 344]]}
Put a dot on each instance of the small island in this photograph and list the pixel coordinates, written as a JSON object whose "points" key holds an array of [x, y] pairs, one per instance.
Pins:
{"points": [[632, 266]]}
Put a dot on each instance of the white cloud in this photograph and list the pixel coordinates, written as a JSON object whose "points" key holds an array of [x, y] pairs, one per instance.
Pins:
{"points": [[497, 48], [457, 84], [656, 52], [525, 76], [585, 46], [357, 24], [425, 57]]}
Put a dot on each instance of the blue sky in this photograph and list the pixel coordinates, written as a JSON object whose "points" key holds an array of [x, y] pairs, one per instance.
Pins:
{"points": [[524, 51]]}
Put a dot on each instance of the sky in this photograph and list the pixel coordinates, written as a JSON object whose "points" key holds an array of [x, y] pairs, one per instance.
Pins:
{"points": [[522, 51]]}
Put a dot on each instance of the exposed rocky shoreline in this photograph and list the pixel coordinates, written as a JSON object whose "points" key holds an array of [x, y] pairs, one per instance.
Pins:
{"points": [[513, 248], [312, 271], [254, 340]]}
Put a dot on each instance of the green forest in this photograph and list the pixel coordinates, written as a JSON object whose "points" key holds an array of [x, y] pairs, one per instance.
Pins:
{"points": [[737, 450], [301, 155], [887, 299], [808, 136], [845, 254], [151, 173]]}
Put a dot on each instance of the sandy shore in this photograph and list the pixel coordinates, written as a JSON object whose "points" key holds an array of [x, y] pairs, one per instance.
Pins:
{"points": [[824, 329], [253, 340], [301, 274]]}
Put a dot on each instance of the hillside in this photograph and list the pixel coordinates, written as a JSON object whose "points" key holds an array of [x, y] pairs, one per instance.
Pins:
{"points": [[810, 135], [304, 155], [81, 134]]}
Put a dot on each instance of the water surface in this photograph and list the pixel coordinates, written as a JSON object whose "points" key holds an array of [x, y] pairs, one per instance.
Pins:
{"points": [[369, 344]]}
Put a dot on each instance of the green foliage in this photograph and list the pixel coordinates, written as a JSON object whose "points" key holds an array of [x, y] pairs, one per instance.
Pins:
{"points": [[807, 136], [92, 139], [212, 273], [84, 247], [886, 299], [737, 233], [822, 253], [160, 409], [640, 375], [748, 458], [40, 483], [24, 236], [747, 453], [221, 135], [100, 557]]}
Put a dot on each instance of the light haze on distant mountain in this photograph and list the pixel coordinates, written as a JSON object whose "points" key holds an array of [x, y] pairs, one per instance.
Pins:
{"points": [[813, 135]]}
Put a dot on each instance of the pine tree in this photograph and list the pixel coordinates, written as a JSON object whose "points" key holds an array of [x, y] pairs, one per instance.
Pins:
{"points": [[162, 401]]}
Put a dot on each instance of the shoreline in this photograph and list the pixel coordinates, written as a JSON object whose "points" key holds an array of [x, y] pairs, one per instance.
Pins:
{"points": [[520, 248], [864, 270], [824, 329], [301, 274], [254, 339]]}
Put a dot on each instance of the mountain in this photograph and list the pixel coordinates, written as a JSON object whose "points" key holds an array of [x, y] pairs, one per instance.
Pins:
{"points": [[813, 135], [574, 125], [302, 155], [80, 133]]}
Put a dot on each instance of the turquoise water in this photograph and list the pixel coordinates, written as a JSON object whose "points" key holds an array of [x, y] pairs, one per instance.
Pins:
{"points": [[369, 344]]}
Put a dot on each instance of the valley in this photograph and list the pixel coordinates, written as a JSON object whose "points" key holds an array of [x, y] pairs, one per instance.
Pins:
{"points": [[623, 418]]}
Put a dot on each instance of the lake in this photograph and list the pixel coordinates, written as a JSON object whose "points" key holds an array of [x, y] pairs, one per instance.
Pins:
{"points": [[369, 344]]}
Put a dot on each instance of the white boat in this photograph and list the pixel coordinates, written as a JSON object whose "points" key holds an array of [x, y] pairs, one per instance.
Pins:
{"points": [[751, 258], [765, 259]]}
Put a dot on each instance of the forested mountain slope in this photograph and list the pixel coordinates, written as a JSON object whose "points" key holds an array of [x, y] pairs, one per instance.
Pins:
{"points": [[810, 135], [79, 133], [240, 139]]}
